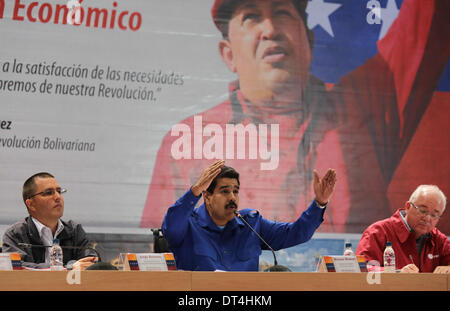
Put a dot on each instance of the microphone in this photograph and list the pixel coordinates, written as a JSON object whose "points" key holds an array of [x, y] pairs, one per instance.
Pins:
{"points": [[276, 267], [27, 245]]}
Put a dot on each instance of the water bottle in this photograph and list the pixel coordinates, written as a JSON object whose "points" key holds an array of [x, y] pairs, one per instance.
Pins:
{"points": [[389, 258], [56, 256], [348, 250]]}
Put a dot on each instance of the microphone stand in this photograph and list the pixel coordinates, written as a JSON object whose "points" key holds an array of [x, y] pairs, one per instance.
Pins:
{"points": [[275, 267]]}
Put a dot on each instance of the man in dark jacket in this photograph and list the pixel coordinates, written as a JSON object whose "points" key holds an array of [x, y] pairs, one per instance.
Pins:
{"points": [[31, 237], [419, 246]]}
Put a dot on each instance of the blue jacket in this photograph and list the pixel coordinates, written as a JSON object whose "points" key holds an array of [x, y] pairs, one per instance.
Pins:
{"points": [[198, 244]]}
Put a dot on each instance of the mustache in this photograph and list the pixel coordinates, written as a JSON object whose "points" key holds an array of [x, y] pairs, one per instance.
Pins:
{"points": [[231, 204]]}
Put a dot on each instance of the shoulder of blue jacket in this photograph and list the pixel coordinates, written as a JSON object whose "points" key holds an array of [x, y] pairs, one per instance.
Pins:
{"points": [[249, 212]]}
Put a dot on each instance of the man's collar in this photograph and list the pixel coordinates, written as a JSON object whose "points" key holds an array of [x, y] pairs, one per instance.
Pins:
{"points": [[204, 220], [40, 227], [402, 215], [401, 228]]}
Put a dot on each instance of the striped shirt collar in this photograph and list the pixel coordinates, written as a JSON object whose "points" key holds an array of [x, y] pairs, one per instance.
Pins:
{"points": [[41, 228], [402, 215]]}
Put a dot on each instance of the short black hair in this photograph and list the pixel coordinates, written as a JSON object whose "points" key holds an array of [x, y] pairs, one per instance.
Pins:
{"points": [[225, 172], [29, 186]]}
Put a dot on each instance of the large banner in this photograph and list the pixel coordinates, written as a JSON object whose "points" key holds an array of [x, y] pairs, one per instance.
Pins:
{"points": [[126, 102]]}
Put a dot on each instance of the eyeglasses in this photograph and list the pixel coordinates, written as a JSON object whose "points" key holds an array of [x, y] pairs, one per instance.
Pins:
{"points": [[424, 212], [49, 192]]}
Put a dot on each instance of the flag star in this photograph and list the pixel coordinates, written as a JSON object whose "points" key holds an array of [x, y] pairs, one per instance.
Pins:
{"points": [[318, 14], [387, 16]]}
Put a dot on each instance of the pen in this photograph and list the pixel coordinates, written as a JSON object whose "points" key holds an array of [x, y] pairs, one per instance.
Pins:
{"points": [[410, 257]]}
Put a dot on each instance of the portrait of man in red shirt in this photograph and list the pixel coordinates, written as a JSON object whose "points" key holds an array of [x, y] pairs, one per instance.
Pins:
{"points": [[280, 122]]}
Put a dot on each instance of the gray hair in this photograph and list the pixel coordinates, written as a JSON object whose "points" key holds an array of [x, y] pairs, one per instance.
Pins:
{"points": [[426, 188]]}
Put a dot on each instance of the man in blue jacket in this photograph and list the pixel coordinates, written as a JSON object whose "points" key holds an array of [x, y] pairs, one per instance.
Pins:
{"points": [[211, 237]]}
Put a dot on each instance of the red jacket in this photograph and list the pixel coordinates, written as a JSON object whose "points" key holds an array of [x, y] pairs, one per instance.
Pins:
{"points": [[435, 249]]}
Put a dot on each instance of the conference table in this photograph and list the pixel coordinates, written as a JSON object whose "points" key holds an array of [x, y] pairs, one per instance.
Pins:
{"points": [[185, 281]]}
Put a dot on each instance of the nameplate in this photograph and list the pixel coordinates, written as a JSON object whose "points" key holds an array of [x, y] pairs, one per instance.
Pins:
{"points": [[149, 262], [343, 264], [10, 261]]}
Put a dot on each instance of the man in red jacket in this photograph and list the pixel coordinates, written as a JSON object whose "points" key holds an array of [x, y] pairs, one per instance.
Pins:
{"points": [[418, 245]]}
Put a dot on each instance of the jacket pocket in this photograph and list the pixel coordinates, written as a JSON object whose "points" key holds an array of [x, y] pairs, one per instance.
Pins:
{"points": [[205, 257], [249, 249]]}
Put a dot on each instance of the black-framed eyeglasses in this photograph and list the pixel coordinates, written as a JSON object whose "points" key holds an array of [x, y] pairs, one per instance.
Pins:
{"points": [[49, 192], [424, 212]]}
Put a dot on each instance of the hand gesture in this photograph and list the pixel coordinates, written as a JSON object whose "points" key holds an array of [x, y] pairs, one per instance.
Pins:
{"points": [[207, 177], [324, 187]]}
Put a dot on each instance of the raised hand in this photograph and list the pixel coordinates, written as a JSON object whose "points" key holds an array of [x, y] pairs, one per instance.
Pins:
{"points": [[207, 177], [324, 187]]}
